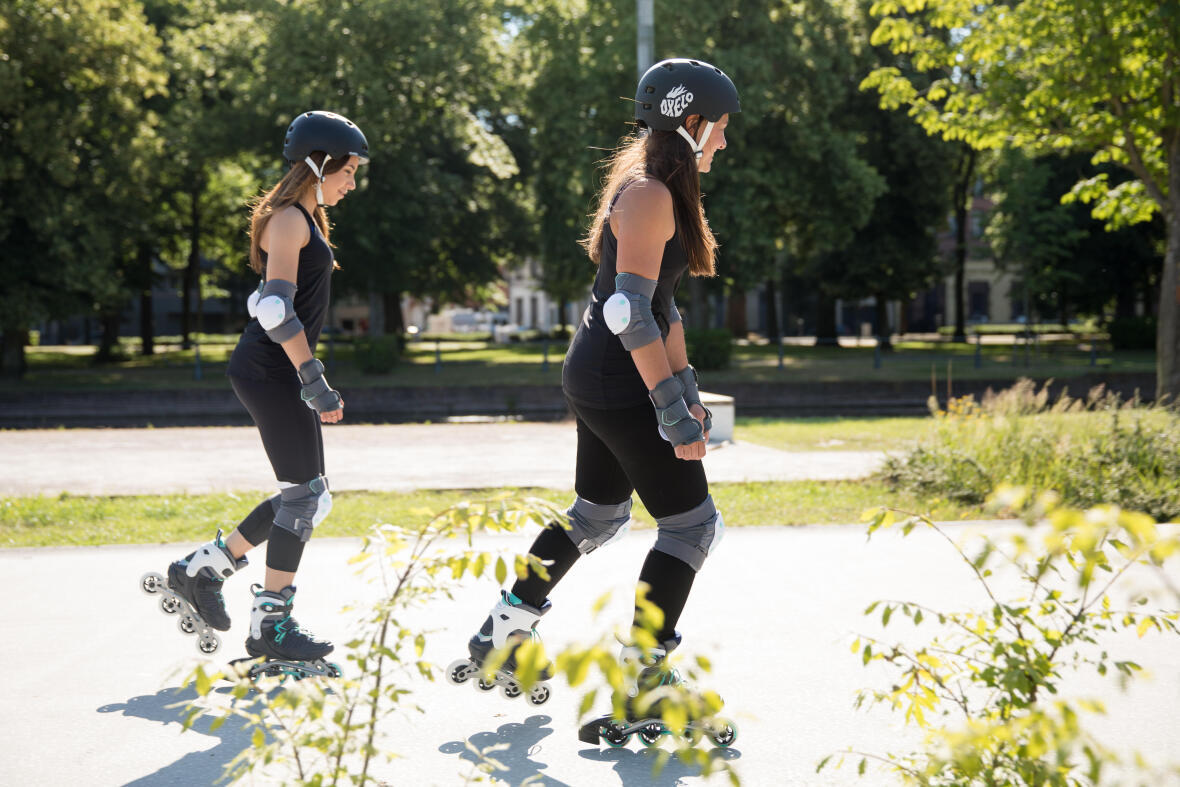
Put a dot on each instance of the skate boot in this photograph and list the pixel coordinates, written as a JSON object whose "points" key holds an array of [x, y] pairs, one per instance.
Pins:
{"points": [[657, 684], [510, 623], [193, 589], [289, 650]]}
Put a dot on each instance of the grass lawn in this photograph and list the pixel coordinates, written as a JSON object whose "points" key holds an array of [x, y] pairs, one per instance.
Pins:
{"points": [[67, 520], [454, 362], [833, 434]]}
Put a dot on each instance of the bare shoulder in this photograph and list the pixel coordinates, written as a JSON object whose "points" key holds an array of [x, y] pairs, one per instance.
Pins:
{"points": [[286, 227], [646, 203]]}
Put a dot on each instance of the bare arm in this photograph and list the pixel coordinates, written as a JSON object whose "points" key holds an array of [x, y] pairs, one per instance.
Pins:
{"points": [[285, 235], [643, 222]]}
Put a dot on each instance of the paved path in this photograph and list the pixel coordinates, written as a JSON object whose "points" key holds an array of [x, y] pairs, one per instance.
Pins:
{"points": [[381, 457], [93, 663]]}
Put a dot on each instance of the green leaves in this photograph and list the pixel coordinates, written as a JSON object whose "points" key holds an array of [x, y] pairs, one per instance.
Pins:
{"points": [[1001, 668]]}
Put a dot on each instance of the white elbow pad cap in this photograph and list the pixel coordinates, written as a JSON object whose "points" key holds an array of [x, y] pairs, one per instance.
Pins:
{"points": [[272, 311], [628, 311]]}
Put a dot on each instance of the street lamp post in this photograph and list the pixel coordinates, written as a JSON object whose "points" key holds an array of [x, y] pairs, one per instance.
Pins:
{"points": [[644, 39]]}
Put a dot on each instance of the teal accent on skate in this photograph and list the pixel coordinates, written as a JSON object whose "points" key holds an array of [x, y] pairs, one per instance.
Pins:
{"points": [[512, 599], [281, 628]]}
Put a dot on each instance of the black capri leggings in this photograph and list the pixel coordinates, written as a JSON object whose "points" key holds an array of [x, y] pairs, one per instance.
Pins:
{"points": [[294, 444], [620, 451]]}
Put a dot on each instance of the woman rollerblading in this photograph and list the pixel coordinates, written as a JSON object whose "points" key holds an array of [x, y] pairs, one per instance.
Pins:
{"points": [[280, 382], [641, 426]]}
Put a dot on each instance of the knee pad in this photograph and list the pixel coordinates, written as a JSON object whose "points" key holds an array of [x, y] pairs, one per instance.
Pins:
{"points": [[693, 535], [303, 506], [594, 525]]}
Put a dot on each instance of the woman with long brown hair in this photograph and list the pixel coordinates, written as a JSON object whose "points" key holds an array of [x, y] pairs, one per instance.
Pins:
{"points": [[276, 376], [640, 423]]}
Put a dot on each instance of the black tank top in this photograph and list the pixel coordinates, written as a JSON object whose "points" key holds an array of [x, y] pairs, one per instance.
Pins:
{"points": [[257, 357], [598, 371]]}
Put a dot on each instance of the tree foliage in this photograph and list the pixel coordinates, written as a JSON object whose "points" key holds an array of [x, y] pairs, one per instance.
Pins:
{"points": [[74, 77], [1044, 75]]}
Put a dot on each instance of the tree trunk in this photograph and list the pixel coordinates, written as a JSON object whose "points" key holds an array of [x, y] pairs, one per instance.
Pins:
{"points": [[772, 320], [1167, 339], [736, 317], [563, 307], [192, 271], [13, 363], [109, 337], [964, 178], [147, 319], [825, 321], [395, 321], [884, 333]]}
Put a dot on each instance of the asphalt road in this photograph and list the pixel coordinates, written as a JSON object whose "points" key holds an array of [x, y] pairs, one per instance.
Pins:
{"points": [[92, 664]]}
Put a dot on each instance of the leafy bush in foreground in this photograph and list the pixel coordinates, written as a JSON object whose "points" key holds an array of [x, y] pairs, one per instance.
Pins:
{"points": [[1092, 451]]}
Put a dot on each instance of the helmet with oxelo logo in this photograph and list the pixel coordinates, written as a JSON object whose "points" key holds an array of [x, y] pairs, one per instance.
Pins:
{"points": [[671, 90]]}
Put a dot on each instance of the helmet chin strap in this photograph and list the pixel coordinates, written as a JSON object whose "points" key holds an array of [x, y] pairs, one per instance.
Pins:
{"points": [[697, 149], [319, 173]]}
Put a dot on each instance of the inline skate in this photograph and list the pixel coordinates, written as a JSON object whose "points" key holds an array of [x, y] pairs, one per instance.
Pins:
{"points": [[510, 623], [193, 590], [643, 706], [287, 649]]}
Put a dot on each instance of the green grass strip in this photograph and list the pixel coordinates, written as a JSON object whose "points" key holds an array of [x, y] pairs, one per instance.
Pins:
{"points": [[68, 520]]}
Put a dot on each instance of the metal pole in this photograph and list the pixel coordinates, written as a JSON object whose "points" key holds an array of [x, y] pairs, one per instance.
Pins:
{"points": [[645, 38]]}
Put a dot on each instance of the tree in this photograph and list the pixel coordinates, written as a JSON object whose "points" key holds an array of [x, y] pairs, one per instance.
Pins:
{"points": [[789, 187], [74, 77], [1099, 75], [438, 211], [1069, 263]]}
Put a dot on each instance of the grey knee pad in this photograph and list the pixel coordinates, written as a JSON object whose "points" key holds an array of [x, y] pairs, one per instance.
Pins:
{"points": [[594, 525], [303, 506], [693, 535]]}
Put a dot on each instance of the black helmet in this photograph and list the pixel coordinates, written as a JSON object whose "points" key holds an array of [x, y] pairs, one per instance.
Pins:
{"points": [[333, 134], [671, 90]]}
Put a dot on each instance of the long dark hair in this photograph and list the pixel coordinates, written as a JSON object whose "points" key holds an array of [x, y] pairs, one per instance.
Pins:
{"points": [[666, 156], [283, 194]]}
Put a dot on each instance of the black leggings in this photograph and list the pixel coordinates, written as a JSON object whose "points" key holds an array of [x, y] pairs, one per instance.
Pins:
{"points": [[294, 444], [620, 452]]}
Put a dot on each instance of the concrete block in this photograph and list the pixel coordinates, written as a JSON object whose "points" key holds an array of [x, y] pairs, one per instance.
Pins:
{"points": [[722, 408]]}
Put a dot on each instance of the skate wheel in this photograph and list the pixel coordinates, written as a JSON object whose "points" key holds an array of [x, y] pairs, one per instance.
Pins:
{"points": [[651, 735], [170, 605], [186, 624], [459, 671], [150, 583], [333, 671], [723, 738], [208, 643], [693, 734], [614, 736], [540, 694], [510, 690], [483, 684]]}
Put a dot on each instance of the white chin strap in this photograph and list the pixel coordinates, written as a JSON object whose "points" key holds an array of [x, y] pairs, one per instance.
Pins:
{"points": [[697, 149], [319, 173]]}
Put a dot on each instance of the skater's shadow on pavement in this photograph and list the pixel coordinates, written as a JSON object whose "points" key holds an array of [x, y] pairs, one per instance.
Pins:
{"points": [[198, 767], [637, 767], [521, 740]]}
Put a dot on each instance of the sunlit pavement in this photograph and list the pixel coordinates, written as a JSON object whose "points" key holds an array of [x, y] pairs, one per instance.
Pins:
{"points": [[92, 662], [397, 457]]}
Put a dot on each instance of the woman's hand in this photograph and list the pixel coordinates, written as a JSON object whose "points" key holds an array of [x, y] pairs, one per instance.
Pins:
{"points": [[694, 451], [335, 416]]}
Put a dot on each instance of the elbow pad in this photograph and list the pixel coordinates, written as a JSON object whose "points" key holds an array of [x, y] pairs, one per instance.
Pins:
{"points": [[628, 312], [673, 313], [276, 311]]}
